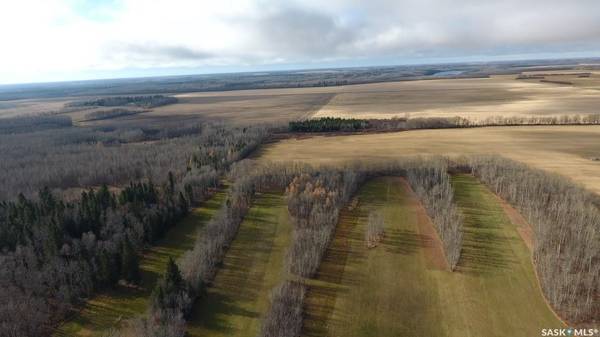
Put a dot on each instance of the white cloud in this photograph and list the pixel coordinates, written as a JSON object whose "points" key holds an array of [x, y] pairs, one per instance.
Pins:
{"points": [[53, 39]]}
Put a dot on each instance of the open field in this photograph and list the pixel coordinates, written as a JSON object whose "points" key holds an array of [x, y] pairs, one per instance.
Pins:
{"points": [[474, 99], [577, 78], [253, 266], [397, 288], [270, 106], [567, 150], [31, 107], [108, 309]]}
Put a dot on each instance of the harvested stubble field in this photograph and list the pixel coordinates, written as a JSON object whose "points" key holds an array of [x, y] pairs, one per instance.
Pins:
{"points": [[253, 266], [577, 78], [473, 98], [108, 309], [403, 287], [248, 106], [566, 150]]}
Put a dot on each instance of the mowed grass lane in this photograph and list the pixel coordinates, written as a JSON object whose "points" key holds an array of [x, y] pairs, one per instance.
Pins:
{"points": [[495, 288], [107, 309], [401, 288], [235, 304]]}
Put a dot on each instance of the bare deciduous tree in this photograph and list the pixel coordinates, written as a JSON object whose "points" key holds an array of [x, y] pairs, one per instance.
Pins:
{"points": [[374, 231]]}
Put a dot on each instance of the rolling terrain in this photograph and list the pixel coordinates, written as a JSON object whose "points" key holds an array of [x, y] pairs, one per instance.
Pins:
{"points": [[548, 93]]}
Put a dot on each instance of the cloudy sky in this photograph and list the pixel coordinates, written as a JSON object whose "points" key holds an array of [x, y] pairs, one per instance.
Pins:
{"points": [[52, 40]]}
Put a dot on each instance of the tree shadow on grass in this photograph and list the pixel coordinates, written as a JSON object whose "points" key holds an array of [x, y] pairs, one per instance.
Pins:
{"points": [[343, 267], [484, 248], [333, 276], [239, 281]]}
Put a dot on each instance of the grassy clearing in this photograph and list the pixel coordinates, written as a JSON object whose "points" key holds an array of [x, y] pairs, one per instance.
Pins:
{"points": [[381, 291], [395, 290], [495, 282], [252, 267], [107, 309]]}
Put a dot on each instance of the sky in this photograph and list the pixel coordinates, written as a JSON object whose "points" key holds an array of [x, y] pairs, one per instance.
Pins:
{"points": [[59, 40]]}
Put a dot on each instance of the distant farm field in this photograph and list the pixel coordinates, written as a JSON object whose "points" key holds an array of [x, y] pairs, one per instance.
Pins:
{"points": [[572, 151], [474, 98], [402, 288]]}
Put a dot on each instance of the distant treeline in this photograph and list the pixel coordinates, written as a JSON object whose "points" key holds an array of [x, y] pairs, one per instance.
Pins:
{"points": [[332, 124], [329, 124], [274, 79], [108, 114], [150, 101], [33, 123]]}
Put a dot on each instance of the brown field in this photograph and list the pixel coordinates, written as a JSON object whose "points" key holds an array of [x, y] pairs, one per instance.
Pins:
{"points": [[567, 150], [474, 98], [25, 107], [577, 78], [248, 106]]}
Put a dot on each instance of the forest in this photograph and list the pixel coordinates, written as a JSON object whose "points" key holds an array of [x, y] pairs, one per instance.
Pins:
{"points": [[78, 205], [58, 248], [108, 114], [70, 158], [151, 101]]}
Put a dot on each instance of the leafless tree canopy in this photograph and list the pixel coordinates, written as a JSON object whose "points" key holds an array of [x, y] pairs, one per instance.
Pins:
{"points": [[57, 251], [374, 231], [431, 182]]}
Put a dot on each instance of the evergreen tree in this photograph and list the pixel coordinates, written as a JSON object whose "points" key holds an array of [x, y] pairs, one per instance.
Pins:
{"points": [[173, 280], [130, 264], [183, 204], [108, 269]]}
